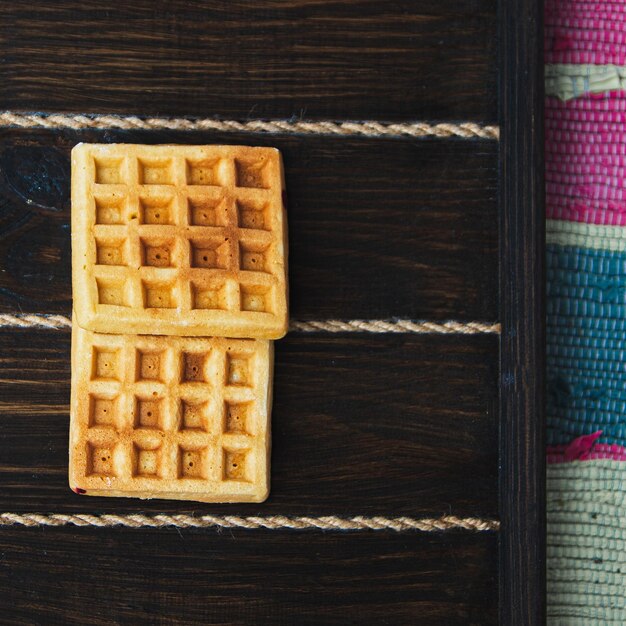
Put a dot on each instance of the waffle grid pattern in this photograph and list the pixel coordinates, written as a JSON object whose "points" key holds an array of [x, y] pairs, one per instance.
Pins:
{"points": [[179, 240], [170, 416]]}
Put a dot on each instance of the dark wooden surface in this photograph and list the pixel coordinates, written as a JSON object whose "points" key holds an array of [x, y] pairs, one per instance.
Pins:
{"points": [[522, 296], [242, 578], [329, 59], [382, 425], [363, 424], [377, 228]]}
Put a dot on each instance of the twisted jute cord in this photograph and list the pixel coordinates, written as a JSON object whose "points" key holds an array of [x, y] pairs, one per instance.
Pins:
{"points": [[396, 326], [60, 322], [272, 522], [464, 130]]}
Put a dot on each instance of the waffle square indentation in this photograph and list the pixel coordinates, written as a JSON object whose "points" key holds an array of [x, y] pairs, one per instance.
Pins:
{"points": [[234, 466], [192, 463], [100, 460], [103, 410], [155, 172], [109, 171], [157, 252], [193, 366], [110, 252], [256, 298], [194, 416], [106, 363], [203, 172], [156, 210], [252, 174], [146, 461], [159, 295], [205, 211], [210, 253], [252, 215], [111, 291], [237, 416], [149, 413], [150, 365], [253, 256], [109, 209], [238, 369], [209, 297]]}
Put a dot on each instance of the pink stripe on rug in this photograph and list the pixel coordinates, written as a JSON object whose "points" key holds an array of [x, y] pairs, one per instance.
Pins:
{"points": [[586, 159], [585, 448], [556, 454], [585, 31]]}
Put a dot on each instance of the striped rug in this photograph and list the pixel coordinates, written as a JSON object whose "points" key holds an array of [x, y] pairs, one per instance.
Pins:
{"points": [[585, 43]]}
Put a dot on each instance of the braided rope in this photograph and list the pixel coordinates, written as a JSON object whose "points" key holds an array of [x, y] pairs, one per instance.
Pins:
{"points": [[273, 522], [33, 320], [396, 326], [60, 322], [465, 130]]}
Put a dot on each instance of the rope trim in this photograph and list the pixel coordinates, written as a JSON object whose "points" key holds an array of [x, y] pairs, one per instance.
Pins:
{"points": [[396, 326], [464, 130], [61, 322], [33, 320], [273, 522]]}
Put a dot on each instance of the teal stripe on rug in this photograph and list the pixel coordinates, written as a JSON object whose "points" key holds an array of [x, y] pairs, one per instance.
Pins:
{"points": [[586, 343]]}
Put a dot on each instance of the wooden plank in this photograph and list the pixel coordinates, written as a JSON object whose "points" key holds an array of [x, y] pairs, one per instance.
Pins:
{"points": [[355, 59], [378, 228], [362, 424], [241, 577], [522, 291]]}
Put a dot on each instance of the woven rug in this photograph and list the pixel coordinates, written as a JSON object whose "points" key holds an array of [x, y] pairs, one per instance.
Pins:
{"points": [[585, 44]]}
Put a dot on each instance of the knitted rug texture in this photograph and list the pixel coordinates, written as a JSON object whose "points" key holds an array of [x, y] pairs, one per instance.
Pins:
{"points": [[585, 55]]}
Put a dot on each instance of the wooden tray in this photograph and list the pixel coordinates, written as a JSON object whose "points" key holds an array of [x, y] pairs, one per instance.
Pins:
{"points": [[384, 225]]}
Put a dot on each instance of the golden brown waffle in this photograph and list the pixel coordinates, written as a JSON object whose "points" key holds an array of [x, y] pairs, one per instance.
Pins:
{"points": [[170, 417], [180, 240]]}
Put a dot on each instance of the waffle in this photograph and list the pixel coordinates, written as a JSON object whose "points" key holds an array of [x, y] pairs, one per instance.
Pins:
{"points": [[170, 417], [179, 240]]}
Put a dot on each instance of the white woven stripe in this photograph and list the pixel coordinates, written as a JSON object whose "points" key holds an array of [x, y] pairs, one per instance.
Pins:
{"points": [[60, 322], [567, 81], [586, 505], [598, 237], [273, 522], [463, 130]]}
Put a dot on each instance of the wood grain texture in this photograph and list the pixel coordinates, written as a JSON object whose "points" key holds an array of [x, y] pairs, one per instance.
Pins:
{"points": [[372, 425], [241, 577], [522, 294], [362, 424], [377, 228], [354, 59]]}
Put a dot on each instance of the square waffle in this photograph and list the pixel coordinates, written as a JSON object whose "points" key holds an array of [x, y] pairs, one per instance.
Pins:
{"points": [[170, 417], [179, 240]]}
